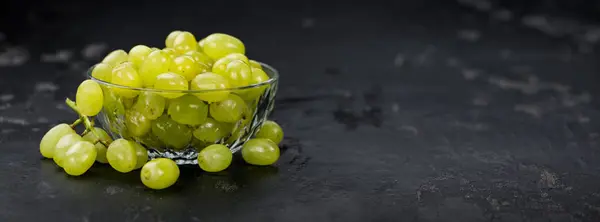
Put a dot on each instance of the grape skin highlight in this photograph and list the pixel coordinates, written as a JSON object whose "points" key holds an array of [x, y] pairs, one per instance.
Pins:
{"points": [[63, 145], [51, 138], [115, 57], [171, 81], [126, 75], [138, 54], [218, 45], [210, 81], [79, 158], [102, 71]]}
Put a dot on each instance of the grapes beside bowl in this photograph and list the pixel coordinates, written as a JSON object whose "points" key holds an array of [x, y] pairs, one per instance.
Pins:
{"points": [[192, 102]]}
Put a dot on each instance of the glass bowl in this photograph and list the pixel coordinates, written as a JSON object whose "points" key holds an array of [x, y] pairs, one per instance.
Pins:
{"points": [[165, 137]]}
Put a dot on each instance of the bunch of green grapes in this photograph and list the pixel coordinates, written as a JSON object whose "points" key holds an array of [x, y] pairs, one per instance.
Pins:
{"points": [[190, 93]]}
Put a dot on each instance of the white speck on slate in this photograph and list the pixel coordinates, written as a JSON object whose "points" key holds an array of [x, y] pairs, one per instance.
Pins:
{"points": [[481, 5], [14, 56], [60, 56], [470, 74], [533, 110], [592, 35], [42, 120], [35, 129], [399, 60], [452, 62], [6, 97], [502, 15], [94, 50], [395, 107], [469, 35], [5, 106], [45, 87], [112, 190], [12, 120], [7, 131], [505, 53], [308, 22], [61, 106]]}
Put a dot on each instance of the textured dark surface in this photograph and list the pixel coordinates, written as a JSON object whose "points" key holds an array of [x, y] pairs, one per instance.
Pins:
{"points": [[414, 111]]}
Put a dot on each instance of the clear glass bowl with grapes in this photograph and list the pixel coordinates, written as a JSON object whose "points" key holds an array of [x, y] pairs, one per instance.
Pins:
{"points": [[176, 123]]}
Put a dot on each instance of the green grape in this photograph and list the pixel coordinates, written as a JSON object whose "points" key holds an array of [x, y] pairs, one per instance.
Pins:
{"points": [[122, 155], [171, 81], [141, 153], [255, 64], [215, 158], [171, 38], [156, 63], [112, 103], [204, 68], [260, 152], [128, 102], [229, 110], [188, 110], [136, 123], [185, 42], [159, 173], [150, 104], [79, 158], [258, 76], [201, 44], [201, 58], [171, 52], [220, 65], [186, 66], [218, 45], [211, 131], [100, 148], [154, 49], [238, 73], [89, 98], [102, 71], [138, 54], [51, 138], [241, 127], [115, 57], [215, 84], [270, 130], [63, 145], [199, 145], [173, 134], [150, 140], [126, 75]]}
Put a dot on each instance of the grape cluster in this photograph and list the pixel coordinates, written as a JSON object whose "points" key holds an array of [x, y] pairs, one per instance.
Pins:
{"points": [[191, 93]]}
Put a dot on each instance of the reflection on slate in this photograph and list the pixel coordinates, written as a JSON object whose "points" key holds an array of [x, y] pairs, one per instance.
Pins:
{"points": [[466, 110]]}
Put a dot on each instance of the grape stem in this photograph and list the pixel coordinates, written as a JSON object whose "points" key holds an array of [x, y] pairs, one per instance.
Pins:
{"points": [[74, 124], [89, 125]]}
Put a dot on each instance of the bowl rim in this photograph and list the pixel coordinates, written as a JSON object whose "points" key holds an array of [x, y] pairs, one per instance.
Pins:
{"points": [[269, 69]]}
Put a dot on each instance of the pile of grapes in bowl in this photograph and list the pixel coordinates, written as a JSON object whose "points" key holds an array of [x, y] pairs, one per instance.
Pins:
{"points": [[192, 102]]}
